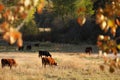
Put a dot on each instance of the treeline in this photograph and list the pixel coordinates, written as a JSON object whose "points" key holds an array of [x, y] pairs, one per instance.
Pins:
{"points": [[63, 27], [72, 33]]}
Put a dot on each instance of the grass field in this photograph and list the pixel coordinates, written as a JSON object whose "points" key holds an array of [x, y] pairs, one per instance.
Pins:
{"points": [[71, 66], [72, 62]]}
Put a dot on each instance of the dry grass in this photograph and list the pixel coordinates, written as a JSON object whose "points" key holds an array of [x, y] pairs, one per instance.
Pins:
{"points": [[71, 66]]}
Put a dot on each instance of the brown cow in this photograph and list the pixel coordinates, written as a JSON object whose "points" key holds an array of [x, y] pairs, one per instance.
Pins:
{"points": [[8, 62], [48, 61]]}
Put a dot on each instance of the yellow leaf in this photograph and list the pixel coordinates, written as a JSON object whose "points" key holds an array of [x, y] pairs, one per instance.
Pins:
{"points": [[118, 46], [111, 23]]}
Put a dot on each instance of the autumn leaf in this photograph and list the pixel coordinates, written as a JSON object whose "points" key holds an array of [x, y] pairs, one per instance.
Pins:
{"points": [[40, 6], [1, 7], [20, 42], [81, 20], [117, 22], [4, 27], [12, 36]]}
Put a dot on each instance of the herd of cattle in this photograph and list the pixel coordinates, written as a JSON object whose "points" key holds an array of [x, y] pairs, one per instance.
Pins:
{"points": [[28, 47], [45, 56]]}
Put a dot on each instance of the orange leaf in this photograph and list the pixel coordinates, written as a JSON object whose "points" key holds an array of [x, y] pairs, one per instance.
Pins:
{"points": [[6, 36], [23, 15], [99, 43], [12, 36], [113, 31], [20, 42], [4, 26], [99, 18], [40, 7], [81, 9], [1, 7], [117, 22], [81, 20], [6, 14]]}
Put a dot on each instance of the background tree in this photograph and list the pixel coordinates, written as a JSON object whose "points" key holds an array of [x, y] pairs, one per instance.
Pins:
{"points": [[63, 8], [30, 30], [83, 9]]}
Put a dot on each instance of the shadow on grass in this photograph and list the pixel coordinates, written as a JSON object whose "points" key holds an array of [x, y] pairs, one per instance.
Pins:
{"points": [[52, 47]]}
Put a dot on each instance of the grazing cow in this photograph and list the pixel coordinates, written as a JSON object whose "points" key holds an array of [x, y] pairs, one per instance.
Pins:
{"points": [[8, 62], [44, 53], [28, 47], [36, 45], [48, 61], [88, 50]]}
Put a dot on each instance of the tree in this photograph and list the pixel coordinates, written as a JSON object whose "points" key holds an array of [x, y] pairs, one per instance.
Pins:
{"points": [[63, 9], [14, 14], [70, 9], [30, 28]]}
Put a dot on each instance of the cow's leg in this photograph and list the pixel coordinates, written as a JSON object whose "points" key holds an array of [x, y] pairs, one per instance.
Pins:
{"points": [[3, 66], [40, 55], [42, 64], [10, 66], [45, 65], [89, 53]]}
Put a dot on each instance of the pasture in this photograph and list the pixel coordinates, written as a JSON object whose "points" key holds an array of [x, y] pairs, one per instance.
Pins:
{"points": [[72, 65]]}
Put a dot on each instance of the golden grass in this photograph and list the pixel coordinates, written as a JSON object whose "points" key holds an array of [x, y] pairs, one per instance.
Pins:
{"points": [[71, 66]]}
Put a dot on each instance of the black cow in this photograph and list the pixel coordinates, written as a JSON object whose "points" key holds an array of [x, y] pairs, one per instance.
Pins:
{"points": [[28, 47], [36, 45], [44, 53], [88, 50]]}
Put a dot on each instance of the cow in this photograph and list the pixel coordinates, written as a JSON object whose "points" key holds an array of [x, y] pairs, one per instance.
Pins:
{"points": [[44, 53], [36, 45], [48, 61], [8, 62], [88, 50], [28, 47]]}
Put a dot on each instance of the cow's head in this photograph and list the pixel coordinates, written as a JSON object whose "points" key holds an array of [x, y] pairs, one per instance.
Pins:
{"points": [[55, 64]]}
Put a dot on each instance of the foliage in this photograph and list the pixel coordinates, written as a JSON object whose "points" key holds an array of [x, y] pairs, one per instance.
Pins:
{"points": [[84, 8], [109, 20], [29, 28], [44, 20], [63, 7], [13, 15], [9, 3]]}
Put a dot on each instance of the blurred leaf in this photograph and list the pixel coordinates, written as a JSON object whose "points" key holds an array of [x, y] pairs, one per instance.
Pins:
{"points": [[118, 46], [81, 20], [1, 7]]}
